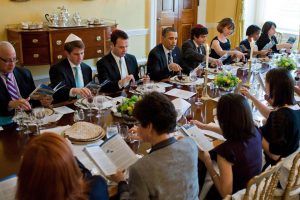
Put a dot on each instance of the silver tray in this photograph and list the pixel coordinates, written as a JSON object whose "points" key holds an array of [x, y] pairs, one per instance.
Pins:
{"points": [[68, 26]]}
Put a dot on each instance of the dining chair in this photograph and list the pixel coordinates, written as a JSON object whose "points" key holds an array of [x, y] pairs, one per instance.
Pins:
{"points": [[292, 189], [260, 187]]}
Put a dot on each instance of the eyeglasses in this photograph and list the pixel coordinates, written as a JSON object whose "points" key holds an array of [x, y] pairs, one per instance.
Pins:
{"points": [[7, 61]]}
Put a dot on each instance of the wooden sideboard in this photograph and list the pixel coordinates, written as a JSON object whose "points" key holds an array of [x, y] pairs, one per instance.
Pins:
{"points": [[46, 46]]}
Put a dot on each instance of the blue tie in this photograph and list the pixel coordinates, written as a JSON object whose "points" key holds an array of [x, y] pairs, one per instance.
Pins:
{"points": [[78, 79]]}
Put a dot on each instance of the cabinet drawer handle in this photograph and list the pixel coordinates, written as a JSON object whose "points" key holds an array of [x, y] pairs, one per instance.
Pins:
{"points": [[98, 38], [99, 51], [36, 55], [59, 57], [35, 41], [58, 42]]}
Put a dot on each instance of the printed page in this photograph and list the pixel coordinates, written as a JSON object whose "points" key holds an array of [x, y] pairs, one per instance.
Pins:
{"points": [[198, 136], [8, 187], [119, 152], [99, 156]]}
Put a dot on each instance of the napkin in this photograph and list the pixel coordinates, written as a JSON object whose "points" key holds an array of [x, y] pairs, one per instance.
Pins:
{"points": [[63, 110], [197, 82], [180, 93], [58, 130]]}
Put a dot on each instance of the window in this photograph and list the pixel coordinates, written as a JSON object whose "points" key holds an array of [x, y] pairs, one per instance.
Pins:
{"points": [[285, 14]]}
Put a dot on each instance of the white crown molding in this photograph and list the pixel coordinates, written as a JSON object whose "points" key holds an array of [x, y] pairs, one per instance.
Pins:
{"points": [[137, 32]]}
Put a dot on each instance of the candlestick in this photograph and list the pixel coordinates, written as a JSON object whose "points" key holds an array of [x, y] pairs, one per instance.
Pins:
{"points": [[251, 48], [249, 74], [207, 55]]}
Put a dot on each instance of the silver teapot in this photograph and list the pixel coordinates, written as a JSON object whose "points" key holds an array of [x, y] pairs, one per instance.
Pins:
{"points": [[52, 19], [63, 16]]}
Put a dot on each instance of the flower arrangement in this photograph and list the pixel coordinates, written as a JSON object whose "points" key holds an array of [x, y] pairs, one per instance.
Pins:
{"points": [[226, 80], [286, 62]]}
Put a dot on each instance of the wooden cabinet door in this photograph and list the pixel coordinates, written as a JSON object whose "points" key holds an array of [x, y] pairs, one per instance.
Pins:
{"points": [[187, 19], [167, 14], [181, 14]]}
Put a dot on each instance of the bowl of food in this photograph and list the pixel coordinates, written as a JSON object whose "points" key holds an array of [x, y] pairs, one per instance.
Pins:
{"points": [[126, 108]]}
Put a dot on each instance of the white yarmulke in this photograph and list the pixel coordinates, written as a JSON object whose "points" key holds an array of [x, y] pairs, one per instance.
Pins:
{"points": [[72, 37]]}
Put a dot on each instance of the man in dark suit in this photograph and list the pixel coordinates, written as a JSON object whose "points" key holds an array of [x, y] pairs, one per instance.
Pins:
{"points": [[193, 50], [16, 84], [72, 71], [164, 60], [118, 66]]}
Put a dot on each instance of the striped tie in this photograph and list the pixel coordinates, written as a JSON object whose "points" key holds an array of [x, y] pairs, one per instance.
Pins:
{"points": [[11, 87]]}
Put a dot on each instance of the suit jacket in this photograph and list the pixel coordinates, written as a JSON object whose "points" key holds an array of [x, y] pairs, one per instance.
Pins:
{"points": [[62, 71], [167, 173], [108, 70], [157, 65], [25, 84], [190, 56]]}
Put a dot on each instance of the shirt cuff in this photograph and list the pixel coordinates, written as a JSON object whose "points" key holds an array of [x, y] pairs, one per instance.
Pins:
{"points": [[169, 68], [71, 93]]}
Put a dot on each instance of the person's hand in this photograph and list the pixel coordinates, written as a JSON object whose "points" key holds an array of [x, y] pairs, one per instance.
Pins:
{"points": [[125, 81], [244, 91], [46, 100], [83, 92], [174, 67], [264, 52], [239, 55], [198, 124], [118, 176], [133, 134], [216, 62], [204, 156], [146, 78], [287, 45], [20, 103]]}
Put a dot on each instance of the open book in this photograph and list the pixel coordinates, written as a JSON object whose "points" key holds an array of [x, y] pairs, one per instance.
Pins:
{"points": [[43, 89], [111, 155], [8, 186], [198, 136]]}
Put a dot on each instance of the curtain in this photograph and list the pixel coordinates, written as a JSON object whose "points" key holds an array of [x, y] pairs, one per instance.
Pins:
{"points": [[239, 24]]}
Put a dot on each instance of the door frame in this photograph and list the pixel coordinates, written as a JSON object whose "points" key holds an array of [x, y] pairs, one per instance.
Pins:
{"points": [[201, 18]]}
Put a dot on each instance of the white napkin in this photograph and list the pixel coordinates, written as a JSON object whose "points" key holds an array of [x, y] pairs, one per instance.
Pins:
{"points": [[197, 82], [180, 93], [58, 130], [52, 118], [163, 84], [63, 110]]}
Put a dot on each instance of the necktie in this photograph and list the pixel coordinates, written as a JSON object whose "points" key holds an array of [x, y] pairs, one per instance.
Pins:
{"points": [[78, 80], [169, 58], [199, 50], [11, 88]]}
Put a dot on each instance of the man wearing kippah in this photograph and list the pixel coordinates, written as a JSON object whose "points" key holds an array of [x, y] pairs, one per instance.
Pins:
{"points": [[72, 71], [193, 50]]}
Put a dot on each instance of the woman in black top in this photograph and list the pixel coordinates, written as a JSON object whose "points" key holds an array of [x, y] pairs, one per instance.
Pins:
{"points": [[220, 45], [281, 133], [267, 40]]}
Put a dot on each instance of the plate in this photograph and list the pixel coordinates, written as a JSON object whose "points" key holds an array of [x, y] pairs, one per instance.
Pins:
{"points": [[83, 103], [151, 87], [185, 79]]}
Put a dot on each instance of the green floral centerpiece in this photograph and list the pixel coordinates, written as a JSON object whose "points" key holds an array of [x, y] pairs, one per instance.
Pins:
{"points": [[286, 62], [226, 81], [127, 106]]}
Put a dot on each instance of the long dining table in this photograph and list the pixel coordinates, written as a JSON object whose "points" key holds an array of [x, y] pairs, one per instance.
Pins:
{"points": [[13, 142]]}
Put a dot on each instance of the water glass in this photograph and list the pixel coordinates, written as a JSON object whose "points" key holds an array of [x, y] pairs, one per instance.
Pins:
{"points": [[99, 101], [28, 119], [199, 88], [193, 75], [90, 101], [19, 118], [39, 114], [112, 130], [124, 131]]}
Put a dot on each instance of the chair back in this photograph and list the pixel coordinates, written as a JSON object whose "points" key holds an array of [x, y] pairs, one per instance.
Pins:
{"points": [[264, 184], [278, 36], [293, 183]]}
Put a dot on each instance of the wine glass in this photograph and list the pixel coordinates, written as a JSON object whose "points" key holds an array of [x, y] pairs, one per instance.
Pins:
{"points": [[99, 101], [90, 101], [39, 114], [28, 119], [19, 118], [199, 89], [124, 131], [189, 114], [193, 75]]}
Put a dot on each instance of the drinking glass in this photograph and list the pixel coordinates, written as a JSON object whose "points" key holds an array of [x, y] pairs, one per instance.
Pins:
{"points": [[124, 132], [133, 85], [90, 101], [39, 114], [193, 75], [111, 130], [189, 115], [19, 118], [199, 89], [28, 119], [99, 101]]}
